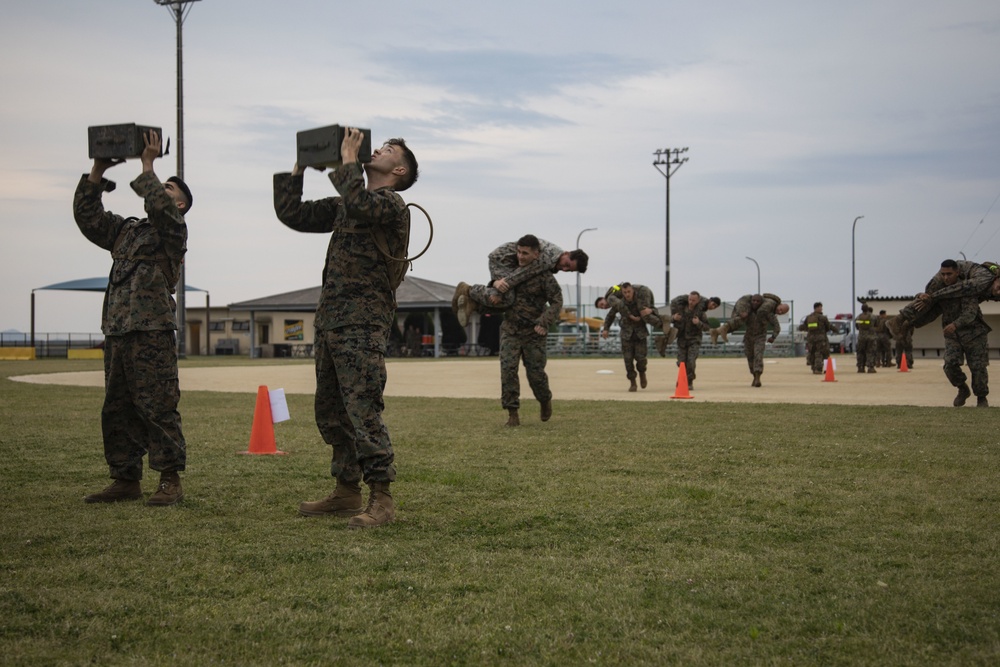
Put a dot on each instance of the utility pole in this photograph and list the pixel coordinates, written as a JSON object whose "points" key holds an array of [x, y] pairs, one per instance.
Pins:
{"points": [[665, 158], [179, 9]]}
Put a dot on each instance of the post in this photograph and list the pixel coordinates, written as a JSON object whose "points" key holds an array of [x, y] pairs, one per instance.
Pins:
{"points": [[667, 157], [758, 273], [854, 298], [179, 10], [579, 311]]}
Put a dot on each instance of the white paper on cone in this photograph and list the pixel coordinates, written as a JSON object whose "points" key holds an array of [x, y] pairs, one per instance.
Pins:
{"points": [[279, 406]]}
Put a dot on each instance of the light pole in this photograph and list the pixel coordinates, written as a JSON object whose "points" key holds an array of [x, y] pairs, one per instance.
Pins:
{"points": [[578, 309], [179, 9], [854, 299], [666, 157], [758, 273]]}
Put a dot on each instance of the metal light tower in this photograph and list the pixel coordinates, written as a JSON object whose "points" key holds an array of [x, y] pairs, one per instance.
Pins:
{"points": [[666, 157], [179, 9], [758, 273], [578, 310], [854, 297]]}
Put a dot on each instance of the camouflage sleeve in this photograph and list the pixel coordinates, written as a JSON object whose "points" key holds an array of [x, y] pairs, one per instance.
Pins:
{"points": [[546, 263], [968, 314], [502, 261], [678, 303], [825, 323], [310, 216], [742, 304], [609, 319], [979, 280], [99, 226], [162, 212], [554, 295], [383, 207], [772, 321]]}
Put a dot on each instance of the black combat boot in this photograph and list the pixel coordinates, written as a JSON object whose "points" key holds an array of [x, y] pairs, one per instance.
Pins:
{"points": [[963, 394]]}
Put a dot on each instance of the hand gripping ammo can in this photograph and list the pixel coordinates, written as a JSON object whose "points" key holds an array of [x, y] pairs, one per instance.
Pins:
{"points": [[321, 147], [123, 141]]}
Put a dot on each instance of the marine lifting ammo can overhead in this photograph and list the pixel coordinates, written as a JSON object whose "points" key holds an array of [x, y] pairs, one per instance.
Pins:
{"points": [[321, 147], [114, 142]]}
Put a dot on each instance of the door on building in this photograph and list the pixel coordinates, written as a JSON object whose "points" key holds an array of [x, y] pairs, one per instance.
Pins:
{"points": [[195, 330]]}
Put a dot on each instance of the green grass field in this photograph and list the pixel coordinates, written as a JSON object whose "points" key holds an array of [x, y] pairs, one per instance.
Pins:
{"points": [[616, 534]]}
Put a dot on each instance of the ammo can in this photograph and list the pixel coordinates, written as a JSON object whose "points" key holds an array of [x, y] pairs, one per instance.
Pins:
{"points": [[321, 147], [119, 141]]}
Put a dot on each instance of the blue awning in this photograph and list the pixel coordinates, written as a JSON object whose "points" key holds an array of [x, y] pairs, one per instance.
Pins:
{"points": [[95, 285]]}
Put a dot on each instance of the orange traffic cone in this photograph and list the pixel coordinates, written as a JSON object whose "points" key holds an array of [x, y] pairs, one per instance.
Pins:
{"points": [[903, 366], [829, 370], [682, 383], [262, 431]]}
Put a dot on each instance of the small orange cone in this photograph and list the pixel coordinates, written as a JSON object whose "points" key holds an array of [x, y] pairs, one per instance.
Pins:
{"points": [[262, 431], [829, 370], [682, 383], [903, 366]]}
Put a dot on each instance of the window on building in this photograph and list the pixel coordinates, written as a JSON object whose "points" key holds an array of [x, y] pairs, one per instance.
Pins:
{"points": [[241, 325], [216, 326]]}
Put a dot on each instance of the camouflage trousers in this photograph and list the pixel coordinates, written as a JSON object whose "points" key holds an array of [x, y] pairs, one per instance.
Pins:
{"points": [[482, 294], [883, 350], [902, 348], [350, 378], [867, 349], [976, 354], [530, 349], [634, 353], [687, 352], [140, 404], [753, 348], [818, 350]]}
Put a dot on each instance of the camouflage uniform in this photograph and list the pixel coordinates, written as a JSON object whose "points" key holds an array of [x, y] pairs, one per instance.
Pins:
{"points": [[520, 342], [816, 326], [503, 264], [634, 336], [974, 279], [643, 298], [689, 333], [866, 341], [742, 305], [883, 342], [356, 309], [755, 338], [968, 344], [904, 345], [139, 323]]}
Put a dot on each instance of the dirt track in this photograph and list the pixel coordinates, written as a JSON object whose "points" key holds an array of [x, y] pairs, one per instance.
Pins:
{"points": [[785, 380]]}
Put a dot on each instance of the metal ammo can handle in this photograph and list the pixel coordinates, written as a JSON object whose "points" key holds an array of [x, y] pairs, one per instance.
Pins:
{"points": [[314, 147]]}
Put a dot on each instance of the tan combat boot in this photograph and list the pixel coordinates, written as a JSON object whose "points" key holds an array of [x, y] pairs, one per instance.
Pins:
{"points": [[671, 334], [168, 492], [120, 489], [642, 379], [632, 387], [546, 411], [512, 418], [724, 332], [380, 511], [756, 380], [714, 333], [345, 500]]}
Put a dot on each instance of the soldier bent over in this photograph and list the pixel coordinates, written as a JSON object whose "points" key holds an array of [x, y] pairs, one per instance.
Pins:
{"points": [[139, 324]]}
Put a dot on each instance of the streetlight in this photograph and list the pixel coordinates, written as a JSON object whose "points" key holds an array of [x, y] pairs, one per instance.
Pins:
{"points": [[578, 311], [758, 273], [666, 157], [854, 298], [179, 9]]}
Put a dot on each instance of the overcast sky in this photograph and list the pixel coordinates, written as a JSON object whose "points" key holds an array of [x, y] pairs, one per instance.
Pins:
{"points": [[526, 117]]}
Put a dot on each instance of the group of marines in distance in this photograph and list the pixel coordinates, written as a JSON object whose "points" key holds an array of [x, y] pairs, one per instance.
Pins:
{"points": [[522, 284]]}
